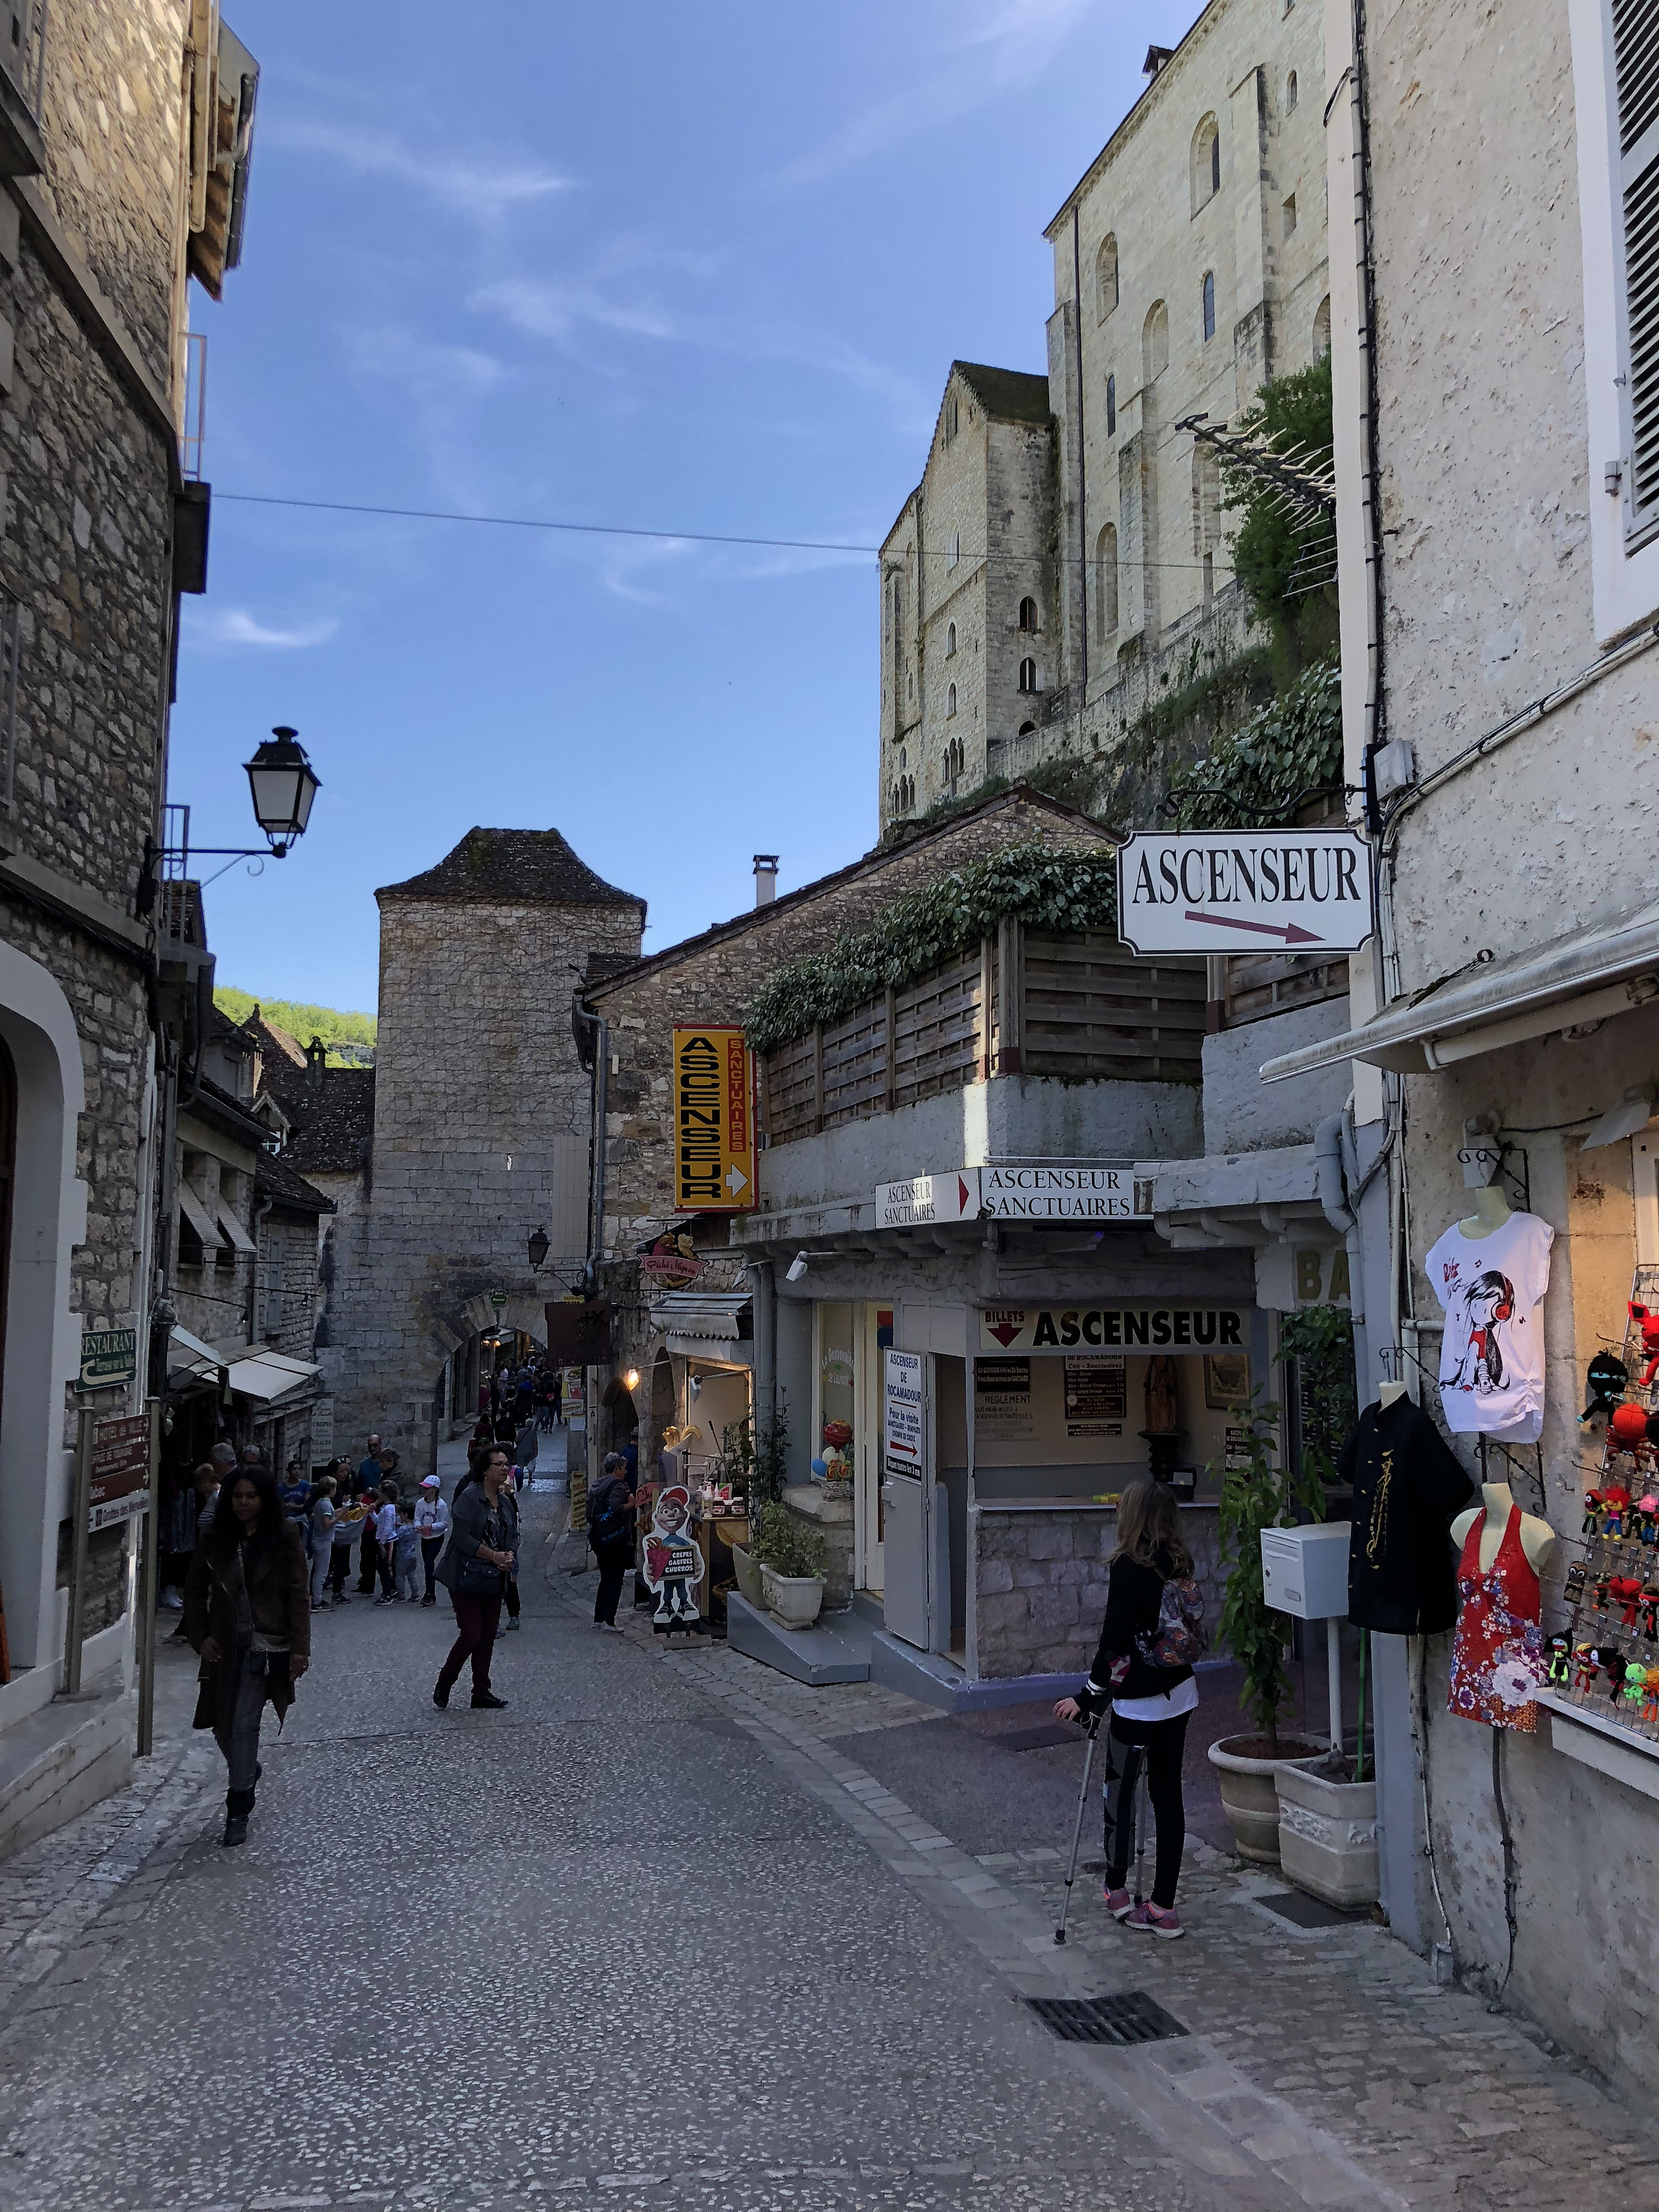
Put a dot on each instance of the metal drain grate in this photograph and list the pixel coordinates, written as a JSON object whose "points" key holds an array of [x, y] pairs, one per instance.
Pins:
{"points": [[1125, 2016], [1039, 1739]]}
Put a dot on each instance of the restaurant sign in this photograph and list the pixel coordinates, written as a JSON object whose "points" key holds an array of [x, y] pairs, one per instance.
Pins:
{"points": [[120, 1471], [109, 1357], [1061, 1330], [713, 1121]]}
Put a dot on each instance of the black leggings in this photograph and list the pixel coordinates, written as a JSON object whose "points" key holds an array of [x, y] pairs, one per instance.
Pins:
{"points": [[615, 1560], [1154, 1747]]}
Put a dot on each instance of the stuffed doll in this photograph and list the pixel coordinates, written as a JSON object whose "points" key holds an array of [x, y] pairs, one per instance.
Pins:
{"points": [[1649, 1324], [1605, 1382], [1586, 1666]]}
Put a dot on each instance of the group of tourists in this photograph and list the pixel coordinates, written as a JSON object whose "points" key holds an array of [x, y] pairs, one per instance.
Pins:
{"points": [[398, 1538]]}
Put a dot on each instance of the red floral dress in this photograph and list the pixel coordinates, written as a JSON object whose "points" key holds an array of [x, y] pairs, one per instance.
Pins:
{"points": [[1497, 1655]]}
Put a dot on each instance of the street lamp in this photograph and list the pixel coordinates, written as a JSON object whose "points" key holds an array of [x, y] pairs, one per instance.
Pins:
{"points": [[539, 1247], [283, 784]]}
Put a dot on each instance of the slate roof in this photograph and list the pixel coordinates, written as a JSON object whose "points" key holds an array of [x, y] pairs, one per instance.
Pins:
{"points": [[333, 1128], [275, 1177], [513, 867], [1011, 394]]}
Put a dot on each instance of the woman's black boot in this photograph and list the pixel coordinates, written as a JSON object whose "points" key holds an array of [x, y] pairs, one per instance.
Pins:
{"points": [[239, 1803]]}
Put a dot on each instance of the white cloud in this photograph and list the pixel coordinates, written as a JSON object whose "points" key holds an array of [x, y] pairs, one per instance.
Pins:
{"points": [[224, 629], [1012, 42], [485, 190]]}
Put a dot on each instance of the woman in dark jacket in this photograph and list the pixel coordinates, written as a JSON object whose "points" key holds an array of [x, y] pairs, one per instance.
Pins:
{"points": [[247, 1611], [611, 1532], [481, 1553], [1150, 1703]]}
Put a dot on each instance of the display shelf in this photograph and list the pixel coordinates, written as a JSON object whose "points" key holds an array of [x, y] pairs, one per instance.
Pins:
{"points": [[1607, 1744]]}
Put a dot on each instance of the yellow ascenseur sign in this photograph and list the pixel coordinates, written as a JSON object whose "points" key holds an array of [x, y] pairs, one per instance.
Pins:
{"points": [[713, 1121]]}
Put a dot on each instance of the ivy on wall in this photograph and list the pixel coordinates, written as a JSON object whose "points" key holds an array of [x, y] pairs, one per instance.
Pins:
{"points": [[1290, 746], [1030, 882]]}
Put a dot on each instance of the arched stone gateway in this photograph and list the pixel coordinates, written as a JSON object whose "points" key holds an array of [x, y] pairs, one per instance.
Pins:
{"points": [[482, 1114]]}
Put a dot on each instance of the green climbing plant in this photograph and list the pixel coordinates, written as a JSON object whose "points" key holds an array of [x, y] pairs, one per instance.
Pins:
{"points": [[1277, 546], [1290, 746]]}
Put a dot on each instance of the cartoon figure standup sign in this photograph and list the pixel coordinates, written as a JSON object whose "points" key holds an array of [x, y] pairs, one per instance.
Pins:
{"points": [[673, 1565]]}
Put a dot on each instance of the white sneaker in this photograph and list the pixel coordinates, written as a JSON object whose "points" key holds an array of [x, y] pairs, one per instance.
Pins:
{"points": [[171, 1599]]}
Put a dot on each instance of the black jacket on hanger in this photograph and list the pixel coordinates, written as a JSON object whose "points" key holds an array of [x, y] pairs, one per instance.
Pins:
{"points": [[1407, 1486]]}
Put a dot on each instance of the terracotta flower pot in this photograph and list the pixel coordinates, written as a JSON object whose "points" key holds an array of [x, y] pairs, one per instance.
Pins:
{"points": [[1250, 1796]]}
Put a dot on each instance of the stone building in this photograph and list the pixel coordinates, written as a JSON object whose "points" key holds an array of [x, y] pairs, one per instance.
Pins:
{"points": [[481, 1118], [123, 151], [1498, 526], [1062, 568]]}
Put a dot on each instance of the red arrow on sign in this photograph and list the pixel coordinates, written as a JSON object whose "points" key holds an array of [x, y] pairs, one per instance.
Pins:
{"points": [[1290, 932]]}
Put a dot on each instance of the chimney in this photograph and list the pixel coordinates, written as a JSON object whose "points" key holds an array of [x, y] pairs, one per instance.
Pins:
{"points": [[766, 879], [1156, 58]]}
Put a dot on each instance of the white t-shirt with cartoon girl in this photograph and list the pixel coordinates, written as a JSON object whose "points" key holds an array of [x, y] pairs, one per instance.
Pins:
{"points": [[1491, 1356]]}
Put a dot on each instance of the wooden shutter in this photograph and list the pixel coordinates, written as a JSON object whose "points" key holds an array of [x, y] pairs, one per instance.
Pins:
{"points": [[1635, 63]]}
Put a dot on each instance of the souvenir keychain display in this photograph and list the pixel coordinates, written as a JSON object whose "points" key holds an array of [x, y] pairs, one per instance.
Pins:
{"points": [[1608, 1660]]}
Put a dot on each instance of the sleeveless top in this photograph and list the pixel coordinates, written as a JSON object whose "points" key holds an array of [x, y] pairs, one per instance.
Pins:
{"points": [[1497, 1660]]}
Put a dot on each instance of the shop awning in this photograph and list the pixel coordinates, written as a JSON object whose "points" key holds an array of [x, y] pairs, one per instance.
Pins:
{"points": [[715, 1315], [255, 1371], [1587, 977], [196, 1213]]}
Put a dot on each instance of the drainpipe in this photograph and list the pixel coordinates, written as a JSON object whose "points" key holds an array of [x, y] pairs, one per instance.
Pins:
{"points": [[764, 1282], [1082, 471], [1329, 1182]]}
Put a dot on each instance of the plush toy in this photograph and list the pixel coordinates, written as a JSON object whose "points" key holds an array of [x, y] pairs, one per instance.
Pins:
{"points": [[1594, 1503], [1617, 1666], [1605, 1380], [1647, 1507], [1558, 1654], [1586, 1666], [1615, 1507], [1649, 1323], [1626, 1592], [1627, 1429], [1573, 1589], [1650, 1696], [1636, 1678], [1651, 1613], [1599, 1589]]}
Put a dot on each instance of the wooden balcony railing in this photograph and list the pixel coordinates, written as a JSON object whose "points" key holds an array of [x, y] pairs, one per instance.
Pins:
{"points": [[1027, 1003]]}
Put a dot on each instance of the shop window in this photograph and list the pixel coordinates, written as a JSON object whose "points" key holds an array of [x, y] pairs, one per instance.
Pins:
{"points": [[1111, 407], [1028, 675], [1105, 279], [1207, 298]]}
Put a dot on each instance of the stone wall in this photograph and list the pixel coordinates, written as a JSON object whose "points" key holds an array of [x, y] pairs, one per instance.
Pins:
{"points": [[1040, 1583]]}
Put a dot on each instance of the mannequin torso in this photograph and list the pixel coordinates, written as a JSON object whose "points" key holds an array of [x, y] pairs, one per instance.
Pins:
{"points": [[1491, 1212], [1390, 1395], [1537, 1537]]}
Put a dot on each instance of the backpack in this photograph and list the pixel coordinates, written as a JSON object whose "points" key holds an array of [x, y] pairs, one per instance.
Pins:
{"points": [[1180, 1637], [608, 1526]]}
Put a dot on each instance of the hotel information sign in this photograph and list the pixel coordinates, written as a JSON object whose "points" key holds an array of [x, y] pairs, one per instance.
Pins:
{"points": [[1246, 890], [713, 1121], [1061, 1330], [120, 1471]]}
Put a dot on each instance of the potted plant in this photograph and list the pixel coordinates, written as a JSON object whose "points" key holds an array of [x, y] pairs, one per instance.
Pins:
{"points": [[789, 1553], [1255, 1496], [754, 1466]]}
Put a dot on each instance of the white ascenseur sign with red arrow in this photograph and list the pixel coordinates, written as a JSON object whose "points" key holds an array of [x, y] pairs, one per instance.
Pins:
{"points": [[1246, 890]]}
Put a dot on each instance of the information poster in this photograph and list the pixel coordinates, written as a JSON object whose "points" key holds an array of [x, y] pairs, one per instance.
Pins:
{"points": [[901, 1408], [1097, 1396], [1003, 1411]]}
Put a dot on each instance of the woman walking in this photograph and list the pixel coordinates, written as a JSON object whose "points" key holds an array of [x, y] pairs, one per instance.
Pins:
{"points": [[481, 1553], [1150, 1703], [611, 1533], [247, 1611]]}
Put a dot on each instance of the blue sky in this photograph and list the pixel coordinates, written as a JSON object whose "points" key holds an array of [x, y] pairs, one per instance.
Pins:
{"points": [[694, 268]]}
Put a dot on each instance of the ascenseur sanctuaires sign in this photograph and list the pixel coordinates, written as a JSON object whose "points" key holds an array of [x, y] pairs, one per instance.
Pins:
{"points": [[1112, 1328], [713, 1121], [1245, 890]]}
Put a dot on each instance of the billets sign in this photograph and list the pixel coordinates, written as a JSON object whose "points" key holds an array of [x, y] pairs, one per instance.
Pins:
{"points": [[953, 1196], [109, 1357], [713, 1121], [901, 1417], [1060, 1329], [120, 1471], [1064, 1194], [1246, 890]]}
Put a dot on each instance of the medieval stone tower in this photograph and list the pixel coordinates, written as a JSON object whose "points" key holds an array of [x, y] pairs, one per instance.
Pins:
{"points": [[482, 1118]]}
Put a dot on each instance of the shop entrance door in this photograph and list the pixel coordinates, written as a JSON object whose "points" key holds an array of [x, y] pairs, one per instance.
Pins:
{"points": [[907, 1484]]}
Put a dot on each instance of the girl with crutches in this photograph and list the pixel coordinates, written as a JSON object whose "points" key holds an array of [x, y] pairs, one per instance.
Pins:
{"points": [[1153, 1631]]}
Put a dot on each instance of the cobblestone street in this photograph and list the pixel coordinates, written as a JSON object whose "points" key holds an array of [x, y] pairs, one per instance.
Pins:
{"points": [[674, 1929]]}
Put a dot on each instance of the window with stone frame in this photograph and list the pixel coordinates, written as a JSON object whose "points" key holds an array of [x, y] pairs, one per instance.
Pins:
{"points": [[951, 642], [1111, 406], [1028, 613], [953, 552], [1321, 328], [951, 702], [1106, 614], [1027, 675], [1106, 290], [1291, 92], [1205, 162], [1155, 342], [1206, 304], [1290, 215]]}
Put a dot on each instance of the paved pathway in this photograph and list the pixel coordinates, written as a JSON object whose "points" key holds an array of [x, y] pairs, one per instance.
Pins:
{"points": [[673, 1930]]}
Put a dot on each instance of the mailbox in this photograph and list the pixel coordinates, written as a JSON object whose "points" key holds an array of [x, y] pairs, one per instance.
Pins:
{"points": [[1304, 1571]]}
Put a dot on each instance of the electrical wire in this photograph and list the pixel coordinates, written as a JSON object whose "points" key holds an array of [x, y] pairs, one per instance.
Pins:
{"points": [[664, 536]]}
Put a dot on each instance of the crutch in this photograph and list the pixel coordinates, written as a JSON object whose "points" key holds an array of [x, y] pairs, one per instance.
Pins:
{"points": [[1077, 1826], [1142, 1815]]}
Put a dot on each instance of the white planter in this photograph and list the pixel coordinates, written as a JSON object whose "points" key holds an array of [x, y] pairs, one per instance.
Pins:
{"points": [[792, 1601], [749, 1577], [1249, 1797], [1327, 1836]]}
